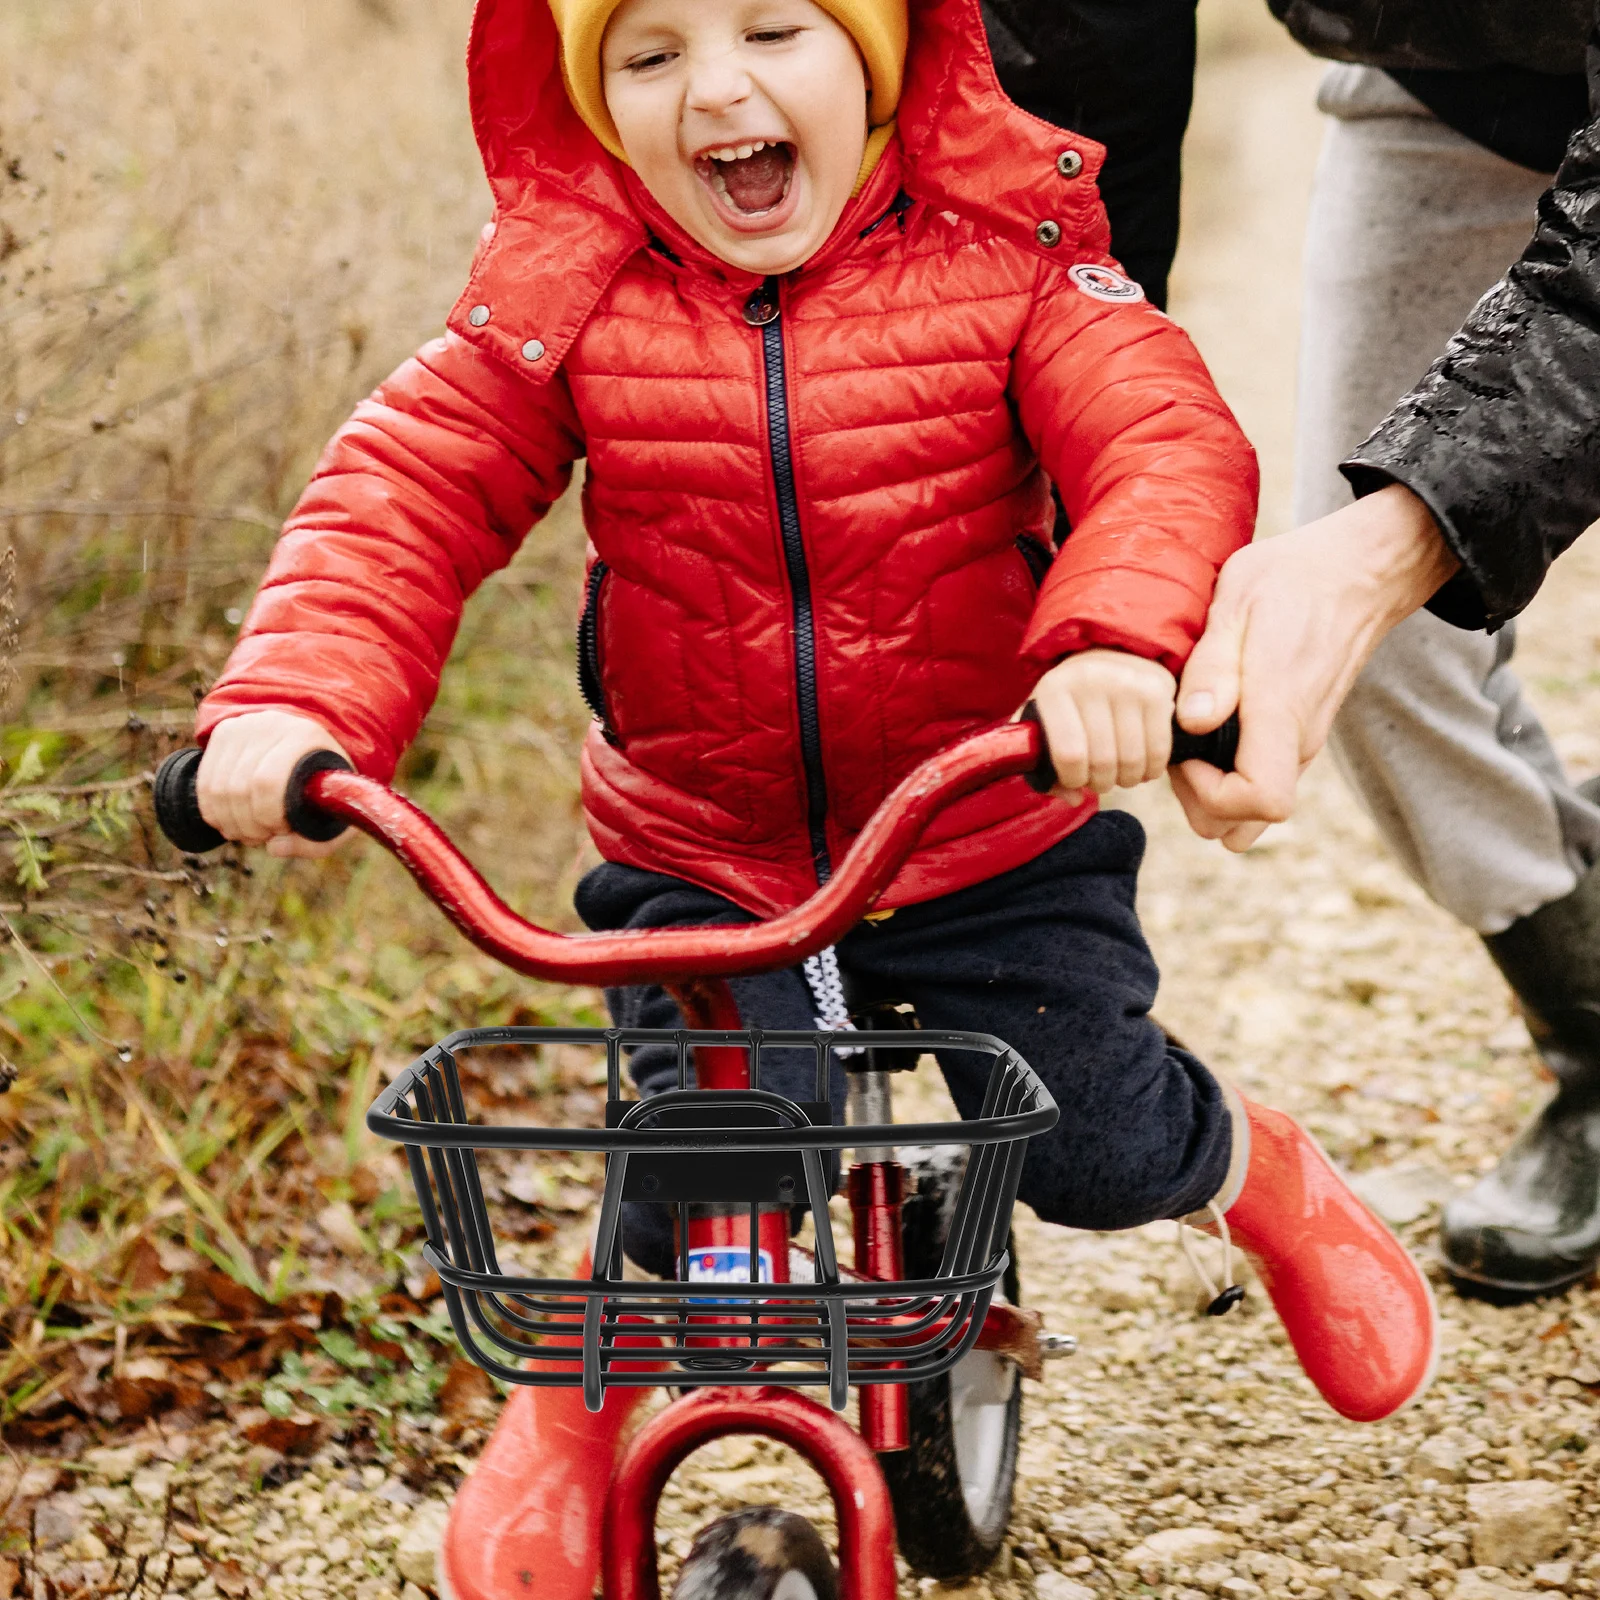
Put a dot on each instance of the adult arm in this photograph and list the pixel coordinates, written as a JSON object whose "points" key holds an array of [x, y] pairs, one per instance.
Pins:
{"points": [[430, 486], [1467, 492], [1499, 439]]}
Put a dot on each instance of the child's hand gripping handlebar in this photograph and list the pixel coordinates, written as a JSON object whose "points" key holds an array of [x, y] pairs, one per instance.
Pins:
{"points": [[324, 797]]}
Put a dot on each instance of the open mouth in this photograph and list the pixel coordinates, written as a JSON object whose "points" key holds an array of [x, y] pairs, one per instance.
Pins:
{"points": [[751, 179]]}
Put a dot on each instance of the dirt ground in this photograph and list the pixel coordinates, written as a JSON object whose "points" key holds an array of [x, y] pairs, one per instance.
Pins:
{"points": [[1321, 980]]}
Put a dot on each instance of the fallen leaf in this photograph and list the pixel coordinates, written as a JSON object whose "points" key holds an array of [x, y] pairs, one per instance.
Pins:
{"points": [[466, 1391], [230, 1579], [294, 1435], [215, 1297], [144, 1270], [138, 1398]]}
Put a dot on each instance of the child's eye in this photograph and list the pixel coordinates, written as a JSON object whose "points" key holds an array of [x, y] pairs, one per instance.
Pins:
{"points": [[644, 63], [773, 35]]}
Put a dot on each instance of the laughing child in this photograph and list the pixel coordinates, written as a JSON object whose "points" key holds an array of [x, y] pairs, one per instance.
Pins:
{"points": [[827, 317]]}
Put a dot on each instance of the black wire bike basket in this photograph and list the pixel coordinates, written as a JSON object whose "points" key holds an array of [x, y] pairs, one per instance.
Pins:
{"points": [[745, 1147]]}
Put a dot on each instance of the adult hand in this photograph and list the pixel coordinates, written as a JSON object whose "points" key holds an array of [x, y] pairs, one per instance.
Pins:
{"points": [[1292, 623], [244, 773], [1107, 716]]}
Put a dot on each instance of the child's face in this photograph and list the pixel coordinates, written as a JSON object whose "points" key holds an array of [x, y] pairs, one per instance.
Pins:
{"points": [[746, 119]]}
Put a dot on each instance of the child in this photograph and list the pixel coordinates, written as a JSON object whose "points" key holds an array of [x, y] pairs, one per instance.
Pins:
{"points": [[827, 316]]}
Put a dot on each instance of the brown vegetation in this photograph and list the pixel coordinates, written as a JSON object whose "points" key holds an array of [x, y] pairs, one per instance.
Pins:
{"points": [[219, 226]]}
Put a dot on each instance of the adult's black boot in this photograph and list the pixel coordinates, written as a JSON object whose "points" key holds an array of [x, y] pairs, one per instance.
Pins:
{"points": [[1532, 1225]]}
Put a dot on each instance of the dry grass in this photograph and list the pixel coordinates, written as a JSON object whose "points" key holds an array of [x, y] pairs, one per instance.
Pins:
{"points": [[219, 226]]}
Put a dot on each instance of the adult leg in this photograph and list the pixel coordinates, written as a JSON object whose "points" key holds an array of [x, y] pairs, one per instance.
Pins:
{"points": [[1410, 223], [1050, 958]]}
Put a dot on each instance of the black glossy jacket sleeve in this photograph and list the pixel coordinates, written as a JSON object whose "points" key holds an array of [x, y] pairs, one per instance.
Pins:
{"points": [[1502, 438]]}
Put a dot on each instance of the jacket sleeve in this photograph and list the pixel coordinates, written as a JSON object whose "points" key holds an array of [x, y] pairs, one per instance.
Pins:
{"points": [[430, 487], [1158, 482], [1499, 438]]}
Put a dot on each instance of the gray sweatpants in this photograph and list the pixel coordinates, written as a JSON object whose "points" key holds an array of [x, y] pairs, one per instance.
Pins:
{"points": [[1410, 223]]}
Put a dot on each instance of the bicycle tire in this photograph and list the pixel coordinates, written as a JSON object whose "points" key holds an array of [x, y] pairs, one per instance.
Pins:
{"points": [[758, 1553], [952, 1489]]}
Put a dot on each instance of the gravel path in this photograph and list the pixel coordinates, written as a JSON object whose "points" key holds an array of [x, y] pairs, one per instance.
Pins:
{"points": [[1174, 1456]]}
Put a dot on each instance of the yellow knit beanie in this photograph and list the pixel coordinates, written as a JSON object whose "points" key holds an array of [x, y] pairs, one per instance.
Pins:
{"points": [[877, 26]]}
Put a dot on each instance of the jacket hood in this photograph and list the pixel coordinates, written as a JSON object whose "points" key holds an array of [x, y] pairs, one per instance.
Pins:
{"points": [[564, 221]]}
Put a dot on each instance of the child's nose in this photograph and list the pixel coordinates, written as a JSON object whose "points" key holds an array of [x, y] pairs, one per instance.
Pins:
{"points": [[717, 83]]}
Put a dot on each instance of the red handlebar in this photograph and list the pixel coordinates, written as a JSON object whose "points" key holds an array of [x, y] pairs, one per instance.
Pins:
{"points": [[664, 955]]}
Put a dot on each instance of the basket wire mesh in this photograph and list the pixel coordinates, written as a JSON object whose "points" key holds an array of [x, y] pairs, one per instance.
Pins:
{"points": [[744, 1148]]}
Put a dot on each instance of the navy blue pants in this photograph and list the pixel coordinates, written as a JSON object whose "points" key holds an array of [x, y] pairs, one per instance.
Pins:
{"points": [[1048, 957]]}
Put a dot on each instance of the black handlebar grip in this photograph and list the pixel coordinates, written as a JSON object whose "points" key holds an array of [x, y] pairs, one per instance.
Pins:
{"points": [[303, 817], [1219, 749], [178, 807]]}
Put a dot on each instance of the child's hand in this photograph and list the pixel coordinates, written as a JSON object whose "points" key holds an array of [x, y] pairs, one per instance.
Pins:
{"points": [[245, 771], [1108, 717]]}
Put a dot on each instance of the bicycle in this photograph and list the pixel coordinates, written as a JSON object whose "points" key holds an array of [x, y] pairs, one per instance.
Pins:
{"points": [[927, 1324]]}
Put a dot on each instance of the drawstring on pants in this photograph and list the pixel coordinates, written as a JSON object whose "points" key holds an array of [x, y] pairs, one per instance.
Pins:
{"points": [[826, 984], [1220, 1298]]}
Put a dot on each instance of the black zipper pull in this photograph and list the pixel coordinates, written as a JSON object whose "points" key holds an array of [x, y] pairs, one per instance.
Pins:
{"points": [[762, 306]]}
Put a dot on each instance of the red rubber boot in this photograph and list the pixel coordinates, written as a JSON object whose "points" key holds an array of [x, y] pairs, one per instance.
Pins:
{"points": [[527, 1522], [1358, 1310]]}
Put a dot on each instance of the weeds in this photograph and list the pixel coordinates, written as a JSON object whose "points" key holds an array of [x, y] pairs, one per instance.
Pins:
{"points": [[216, 233]]}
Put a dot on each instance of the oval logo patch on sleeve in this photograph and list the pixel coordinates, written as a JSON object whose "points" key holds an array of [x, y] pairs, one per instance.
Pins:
{"points": [[1104, 283]]}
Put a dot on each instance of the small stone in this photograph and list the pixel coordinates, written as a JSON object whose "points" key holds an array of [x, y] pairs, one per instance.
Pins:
{"points": [[1374, 1589], [1057, 1586], [20, 1484], [1211, 1575], [1553, 1574], [419, 1544], [1517, 1524], [150, 1484], [1403, 1194], [412, 1592], [1358, 1557], [1179, 1547], [188, 1569], [116, 1465], [1475, 1586], [259, 1460], [1122, 1291], [1441, 1458], [1244, 1589], [57, 1518], [1099, 1527], [10, 1579], [88, 1546]]}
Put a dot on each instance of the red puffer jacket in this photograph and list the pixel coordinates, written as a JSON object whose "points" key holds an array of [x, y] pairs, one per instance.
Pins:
{"points": [[819, 507]]}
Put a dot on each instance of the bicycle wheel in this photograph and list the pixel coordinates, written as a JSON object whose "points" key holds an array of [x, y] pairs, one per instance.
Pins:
{"points": [[952, 1489], [758, 1553]]}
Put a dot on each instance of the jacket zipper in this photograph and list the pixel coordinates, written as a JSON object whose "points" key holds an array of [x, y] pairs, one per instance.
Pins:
{"points": [[762, 310], [590, 683]]}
